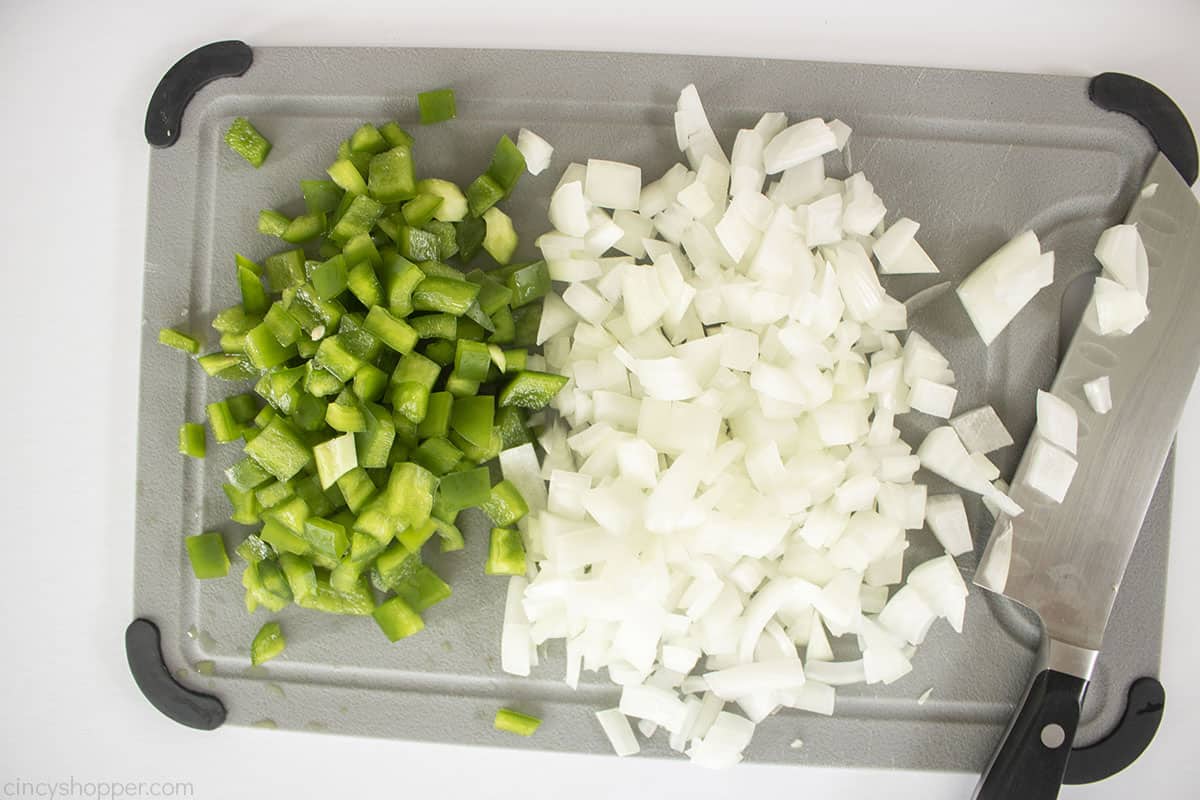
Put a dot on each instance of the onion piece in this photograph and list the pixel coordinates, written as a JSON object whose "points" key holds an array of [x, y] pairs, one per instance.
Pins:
{"points": [[1056, 422], [536, 150], [947, 518], [1099, 394], [1050, 470], [1004, 283], [619, 732], [981, 430]]}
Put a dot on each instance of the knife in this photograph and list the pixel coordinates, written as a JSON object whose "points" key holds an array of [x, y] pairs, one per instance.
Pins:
{"points": [[1065, 560]]}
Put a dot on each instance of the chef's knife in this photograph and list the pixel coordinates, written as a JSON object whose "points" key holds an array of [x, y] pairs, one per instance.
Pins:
{"points": [[1065, 560]]}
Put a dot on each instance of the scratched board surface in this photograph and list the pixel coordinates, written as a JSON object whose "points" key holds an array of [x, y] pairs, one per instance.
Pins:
{"points": [[974, 157]]}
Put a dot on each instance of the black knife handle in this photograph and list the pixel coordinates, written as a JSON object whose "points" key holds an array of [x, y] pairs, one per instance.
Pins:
{"points": [[1033, 757]]}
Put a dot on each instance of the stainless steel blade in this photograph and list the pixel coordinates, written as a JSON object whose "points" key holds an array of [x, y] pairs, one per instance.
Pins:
{"points": [[1065, 560]]}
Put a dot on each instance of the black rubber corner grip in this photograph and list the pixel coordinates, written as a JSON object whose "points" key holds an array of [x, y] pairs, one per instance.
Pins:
{"points": [[143, 649], [1155, 111], [197, 69], [1127, 741]]}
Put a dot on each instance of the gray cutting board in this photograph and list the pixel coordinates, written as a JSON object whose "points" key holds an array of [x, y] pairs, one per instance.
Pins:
{"points": [[974, 157]]}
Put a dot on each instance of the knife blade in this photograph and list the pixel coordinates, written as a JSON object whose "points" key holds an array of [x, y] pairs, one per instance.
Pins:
{"points": [[1065, 560]]}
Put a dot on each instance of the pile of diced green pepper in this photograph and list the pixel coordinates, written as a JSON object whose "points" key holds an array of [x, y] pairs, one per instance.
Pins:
{"points": [[388, 374]]}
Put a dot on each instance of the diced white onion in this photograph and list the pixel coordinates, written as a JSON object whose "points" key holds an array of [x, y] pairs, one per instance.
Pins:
{"points": [[1099, 394], [537, 151]]}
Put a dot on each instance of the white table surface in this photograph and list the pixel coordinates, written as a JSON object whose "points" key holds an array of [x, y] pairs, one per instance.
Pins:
{"points": [[75, 79]]}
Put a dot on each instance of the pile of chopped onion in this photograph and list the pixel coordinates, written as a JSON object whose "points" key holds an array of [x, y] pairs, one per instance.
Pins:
{"points": [[727, 490]]}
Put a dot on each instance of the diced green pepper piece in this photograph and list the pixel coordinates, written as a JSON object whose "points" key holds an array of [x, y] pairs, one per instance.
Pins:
{"points": [[282, 326], [364, 285], [180, 341], [513, 431], [531, 390], [396, 564], [416, 368], [437, 105], [410, 493], [280, 450], [472, 419], [437, 416], [276, 534], [515, 359], [530, 282], [207, 555], [420, 209], [309, 412], [482, 194], [346, 415], [268, 643], [321, 197], [256, 578], [437, 455], [326, 537], [441, 350], [191, 439], [525, 323], [272, 223], [515, 722], [416, 536], [367, 139], [400, 278], [506, 554], [470, 329], [375, 443], [357, 487], [359, 218], [235, 319], [245, 140], [233, 342], [395, 136], [453, 207], [423, 589], [451, 536], [290, 513], [253, 549], [376, 520], [370, 382], [264, 350], [220, 419], [417, 244], [446, 237], [435, 326], [285, 270], [397, 619], [505, 505], [254, 296], [395, 333], [334, 356], [465, 489], [337, 456], [507, 166], [304, 227], [308, 489], [361, 248], [471, 360], [500, 238], [320, 382], [245, 504], [273, 493], [469, 234], [444, 294], [353, 599], [247, 474], [347, 176], [391, 177], [459, 386], [330, 278], [493, 295], [411, 400]]}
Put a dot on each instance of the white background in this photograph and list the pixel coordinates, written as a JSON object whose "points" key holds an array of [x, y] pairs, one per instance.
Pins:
{"points": [[74, 81]]}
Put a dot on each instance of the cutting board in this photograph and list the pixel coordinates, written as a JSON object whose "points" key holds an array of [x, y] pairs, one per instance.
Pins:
{"points": [[975, 157]]}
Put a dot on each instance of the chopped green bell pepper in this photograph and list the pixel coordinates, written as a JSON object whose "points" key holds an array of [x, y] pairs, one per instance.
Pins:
{"points": [[285, 270], [437, 415], [337, 456], [472, 418], [513, 430], [191, 439], [531, 390], [423, 589], [437, 105], [268, 643], [395, 136], [329, 279], [220, 419], [505, 505], [391, 177], [367, 139], [206, 552], [253, 549], [437, 455], [511, 721], [321, 197], [483, 193], [529, 283], [393, 332], [469, 235], [507, 165], [465, 489], [245, 140], [506, 554], [360, 217], [245, 504], [357, 487], [180, 341], [444, 294], [471, 360], [280, 450], [397, 619], [453, 207], [347, 176]]}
